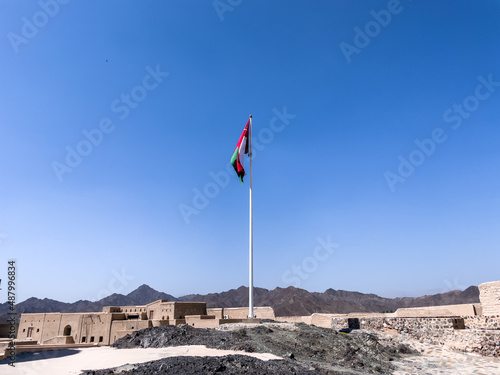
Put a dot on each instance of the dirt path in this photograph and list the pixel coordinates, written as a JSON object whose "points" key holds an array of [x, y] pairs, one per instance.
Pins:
{"points": [[435, 359]]}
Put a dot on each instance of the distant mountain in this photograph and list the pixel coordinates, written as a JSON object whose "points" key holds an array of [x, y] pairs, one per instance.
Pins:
{"points": [[293, 301], [141, 296], [144, 295], [285, 301]]}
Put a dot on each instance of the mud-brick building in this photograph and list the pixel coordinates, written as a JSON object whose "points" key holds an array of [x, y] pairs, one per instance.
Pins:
{"points": [[104, 327]]}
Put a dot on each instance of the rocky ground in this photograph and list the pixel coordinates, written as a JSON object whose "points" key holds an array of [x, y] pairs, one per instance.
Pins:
{"points": [[305, 348], [230, 364], [438, 359]]}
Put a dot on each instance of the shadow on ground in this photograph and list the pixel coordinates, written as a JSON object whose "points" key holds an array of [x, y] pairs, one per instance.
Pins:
{"points": [[37, 356]]}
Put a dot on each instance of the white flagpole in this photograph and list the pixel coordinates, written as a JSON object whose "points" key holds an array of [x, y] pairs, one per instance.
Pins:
{"points": [[250, 242]]}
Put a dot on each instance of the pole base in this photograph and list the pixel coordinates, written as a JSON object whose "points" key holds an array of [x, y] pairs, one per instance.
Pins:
{"points": [[250, 320]]}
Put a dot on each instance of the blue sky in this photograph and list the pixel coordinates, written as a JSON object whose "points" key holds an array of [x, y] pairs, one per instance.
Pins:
{"points": [[377, 129]]}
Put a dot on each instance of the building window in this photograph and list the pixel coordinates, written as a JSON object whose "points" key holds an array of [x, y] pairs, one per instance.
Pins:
{"points": [[84, 339], [24, 329], [37, 330], [101, 339], [91, 338], [132, 327], [458, 323], [353, 323]]}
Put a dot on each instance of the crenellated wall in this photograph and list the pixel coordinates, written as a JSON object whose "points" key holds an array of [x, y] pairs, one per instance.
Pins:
{"points": [[489, 295], [432, 311]]}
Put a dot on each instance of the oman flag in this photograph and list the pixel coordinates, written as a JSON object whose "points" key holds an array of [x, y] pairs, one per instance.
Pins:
{"points": [[240, 150]]}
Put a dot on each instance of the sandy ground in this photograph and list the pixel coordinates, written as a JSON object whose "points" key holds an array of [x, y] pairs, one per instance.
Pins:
{"points": [[438, 360], [73, 361], [434, 360]]}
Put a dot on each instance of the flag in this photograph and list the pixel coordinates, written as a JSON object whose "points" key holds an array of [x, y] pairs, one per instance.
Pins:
{"points": [[241, 149]]}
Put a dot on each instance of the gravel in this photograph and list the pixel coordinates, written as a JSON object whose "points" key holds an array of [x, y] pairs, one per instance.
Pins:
{"points": [[306, 349]]}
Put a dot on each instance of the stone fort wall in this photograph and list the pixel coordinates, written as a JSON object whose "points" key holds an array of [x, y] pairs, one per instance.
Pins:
{"points": [[489, 295], [105, 327], [472, 328], [264, 312], [472, 334]]}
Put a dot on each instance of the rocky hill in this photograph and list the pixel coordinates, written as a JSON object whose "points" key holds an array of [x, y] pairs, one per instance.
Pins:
{"points": [[293, 301], [285, 301]]}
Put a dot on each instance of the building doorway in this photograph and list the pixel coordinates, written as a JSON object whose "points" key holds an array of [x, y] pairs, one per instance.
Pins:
{"points": [[67, 330]]}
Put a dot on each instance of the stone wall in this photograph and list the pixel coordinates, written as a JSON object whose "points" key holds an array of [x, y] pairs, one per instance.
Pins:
{"points": [[322, 320], [481, 334], [59, 340], [489, 295], [294, 319], [433, 311], [406, 325], [482, 322], [41, 327], [216, 311], [91, 328], [208, 321], [242, 312], [182, 309]]}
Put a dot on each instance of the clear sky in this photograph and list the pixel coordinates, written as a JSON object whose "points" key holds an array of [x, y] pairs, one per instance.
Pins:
{"points": [[376, 134]]}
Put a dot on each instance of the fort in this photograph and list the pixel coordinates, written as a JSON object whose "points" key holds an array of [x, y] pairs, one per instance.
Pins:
{"points": [[472, 328], [47, 331]]}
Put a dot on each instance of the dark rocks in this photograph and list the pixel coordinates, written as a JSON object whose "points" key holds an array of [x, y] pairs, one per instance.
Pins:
{"points": [[322, 348], [289, 355], [231, 364]]}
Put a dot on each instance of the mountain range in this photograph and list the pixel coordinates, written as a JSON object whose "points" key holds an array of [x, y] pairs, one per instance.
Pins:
{"points": [[285, 301]]}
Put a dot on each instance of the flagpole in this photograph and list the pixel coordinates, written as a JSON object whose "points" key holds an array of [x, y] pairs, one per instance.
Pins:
{"points": [[250, 242]]}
